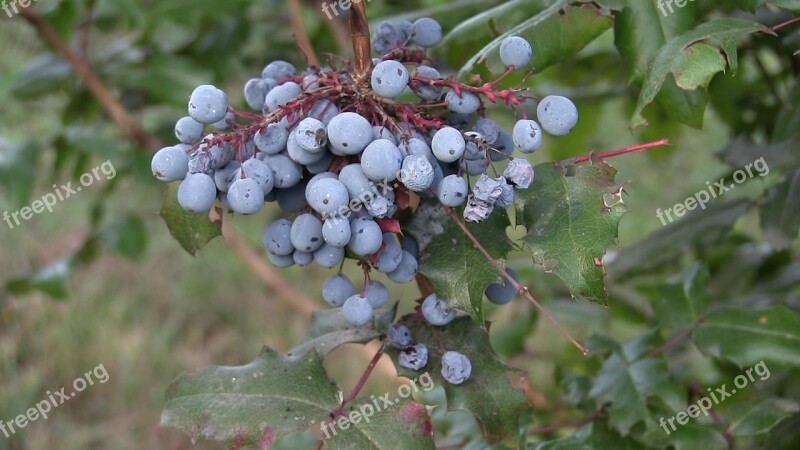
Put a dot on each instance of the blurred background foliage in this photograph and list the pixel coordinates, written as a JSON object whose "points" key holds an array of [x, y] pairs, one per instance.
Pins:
{"points": [[100, 280]]}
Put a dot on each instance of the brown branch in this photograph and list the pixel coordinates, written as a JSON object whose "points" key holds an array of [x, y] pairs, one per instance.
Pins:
{"points": [[623, 151], [786, 24], [359, 32], [130, 126], [520, 288], [300, 33], [675, 340]]}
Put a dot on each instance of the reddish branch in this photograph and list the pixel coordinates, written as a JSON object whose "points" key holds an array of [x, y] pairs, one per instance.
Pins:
{"points": [[623, 151]]}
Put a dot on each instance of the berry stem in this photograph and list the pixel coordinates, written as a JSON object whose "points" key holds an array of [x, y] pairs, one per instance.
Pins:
{"points": [[520, 288], [622, 151], [786, 24]]}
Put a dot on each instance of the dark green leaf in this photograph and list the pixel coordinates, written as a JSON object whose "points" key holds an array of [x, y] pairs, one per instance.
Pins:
{"points": [[780, 216], [18, 173], [745, 336], [756, 418], [571, 220], [329, 330], [405, 425], [680, 303], [271, 397]]}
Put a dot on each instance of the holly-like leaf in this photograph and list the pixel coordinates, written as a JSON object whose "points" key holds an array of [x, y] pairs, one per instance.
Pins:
{"points": [[257, 403], [192, 231], [571, 220], [745, 336], [693, 59], [488, 393], [556, 33], [629, 379], [329, 330], [459, 271], [371, 424]]}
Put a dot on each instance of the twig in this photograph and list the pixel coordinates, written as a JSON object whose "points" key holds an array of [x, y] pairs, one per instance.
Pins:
{"points": [[623, 151], [675, 340], [786, 24], [130, 126], [359, 33], [520, 288], [300, 33]]}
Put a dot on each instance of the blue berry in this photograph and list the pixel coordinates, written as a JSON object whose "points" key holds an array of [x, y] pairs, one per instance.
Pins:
{"points": [[292, 199], [357, 311], [349, 133], [324, 111], [278, 70], [281, 261], [327, 196], [336, 231], [365, 237], [281, 95], [453, 191], [245, 196], [227, 175], [487, 128], [557, 114], [197, 192], [466, 103], [376, 294], [285, 172], [527, 135], [502, 293], [448, 144], [272, 139], [406, 271], [260, 171], [170, 164], [456, 367], [389, 79], [381, 160], [414, 357], [417, 173], [255, 92], [306, 233], [298, 154], [398, 336], [426, 32], [207, 104], [302, 259], [188, 130], [337, 289], [515, 51], [277, 238], [428, 91], [389, 258], [329, 256], [311, 135], [436, 311]]}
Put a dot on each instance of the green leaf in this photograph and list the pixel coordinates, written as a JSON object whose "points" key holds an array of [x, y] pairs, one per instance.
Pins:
{"points": [[488, 394], [459, 271], [405, 425], [329, 330], [696, 229], [746, 337], [684, 300], [271, 397], [757, 418], [693, 436], [555, 34], [628, 380], [780, 216], [694, 67], [192, 231], [42, 75], [571, 220], [640, 30]]}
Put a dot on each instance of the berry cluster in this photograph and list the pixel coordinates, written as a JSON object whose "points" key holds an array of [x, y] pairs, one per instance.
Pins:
{"points": [[346, 158]]}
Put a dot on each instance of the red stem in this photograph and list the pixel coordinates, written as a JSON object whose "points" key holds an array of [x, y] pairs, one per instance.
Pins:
{"points": [[520, 288], [623, 151], [786, 24]]}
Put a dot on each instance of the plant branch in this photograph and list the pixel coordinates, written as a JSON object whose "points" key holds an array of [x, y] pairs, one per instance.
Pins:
{"points": [[520, 288], [359, 33], [675, 340], [130, 126], [786, 24], [300, 33], [623, 151]]}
